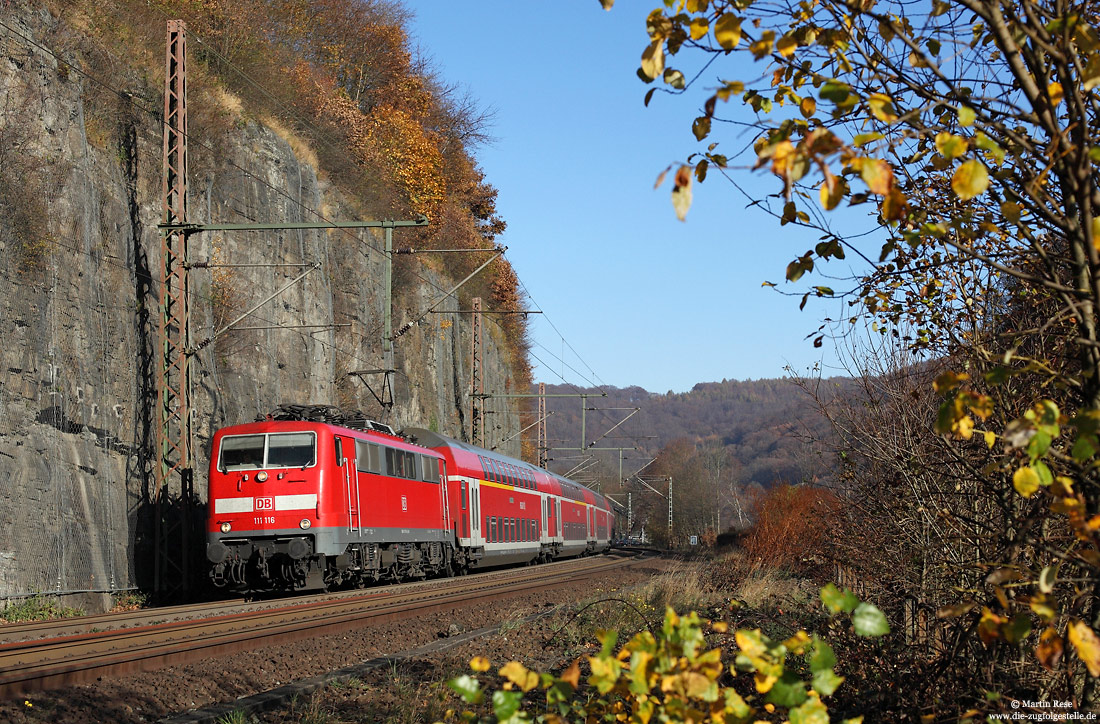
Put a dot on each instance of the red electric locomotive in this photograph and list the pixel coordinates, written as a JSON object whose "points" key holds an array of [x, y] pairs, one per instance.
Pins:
{"points": [[332, 500]]}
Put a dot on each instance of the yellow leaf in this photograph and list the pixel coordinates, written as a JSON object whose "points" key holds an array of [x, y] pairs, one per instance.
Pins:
{"points": [[697, 6], [1049, 650], [950, 146], [781, 154], [1011, 211], [990, 438], [572, 675], [807, 106], [519, 675], [971, 179], [1062, 486], [1086, 38], [727, 31], [764, 682], [882, 107], [1096, 233], [699, 28], [966, 116], [1086, 642], [786, 46], [1026, 481], [681, 193], [949, 381], [964, 427], [653, 59], [1054, 90], [798, 643], [479, 663], [895, 206], [833, 190], [877, 174], [763, 46], [989, 626], [1091, 77]]}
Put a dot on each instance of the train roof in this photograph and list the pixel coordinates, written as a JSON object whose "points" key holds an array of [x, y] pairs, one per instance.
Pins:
{"points": [[570, 488], [379, 436]]}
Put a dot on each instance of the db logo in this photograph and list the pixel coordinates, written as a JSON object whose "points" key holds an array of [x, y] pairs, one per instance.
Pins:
{"points": [[265, 503]]}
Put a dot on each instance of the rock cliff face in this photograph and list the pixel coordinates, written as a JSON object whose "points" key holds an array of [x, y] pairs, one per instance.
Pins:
{"points": [[79, 306]]}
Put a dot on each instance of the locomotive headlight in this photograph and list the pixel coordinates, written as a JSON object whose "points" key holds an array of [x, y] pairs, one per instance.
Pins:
{"points": [[261, 476], [226, 527], [304, 524]]}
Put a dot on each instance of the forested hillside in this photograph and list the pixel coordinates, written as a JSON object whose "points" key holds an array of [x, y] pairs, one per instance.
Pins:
{"points": [[724, 442]]}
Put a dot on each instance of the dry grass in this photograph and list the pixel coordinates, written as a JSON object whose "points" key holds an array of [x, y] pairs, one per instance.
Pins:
{"points": [[302, 150], [766, 587]]}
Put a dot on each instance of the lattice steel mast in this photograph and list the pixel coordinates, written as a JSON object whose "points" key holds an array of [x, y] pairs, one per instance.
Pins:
{"points": [[173, 384]]}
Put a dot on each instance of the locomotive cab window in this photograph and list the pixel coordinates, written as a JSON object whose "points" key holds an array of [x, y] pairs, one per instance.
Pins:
{"points": [[242, 452], [274, 450], [290, 450]]}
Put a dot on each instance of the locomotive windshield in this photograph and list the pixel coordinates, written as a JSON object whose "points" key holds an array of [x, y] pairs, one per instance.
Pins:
{"points": [[277, 450]]}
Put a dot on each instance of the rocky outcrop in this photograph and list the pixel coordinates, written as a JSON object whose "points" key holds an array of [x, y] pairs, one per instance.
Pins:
{"points": [[80, 252]]}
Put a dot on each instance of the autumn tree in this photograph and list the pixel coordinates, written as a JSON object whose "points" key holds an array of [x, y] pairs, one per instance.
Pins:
{"points": [[964, 130]]}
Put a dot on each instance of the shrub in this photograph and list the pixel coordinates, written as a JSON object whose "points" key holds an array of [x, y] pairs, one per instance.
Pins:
{"points": [[672, 675]]}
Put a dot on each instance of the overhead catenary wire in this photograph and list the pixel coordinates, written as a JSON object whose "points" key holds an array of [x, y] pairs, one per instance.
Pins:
{"points": [[321, 136], [129, 99]]}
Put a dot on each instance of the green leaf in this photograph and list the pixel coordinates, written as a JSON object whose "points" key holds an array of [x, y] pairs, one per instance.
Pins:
{"points": [[788, 691], [1017, 629], [1038, 445], [1083, 449], [991, 147], [869, 621], [1046, 479], [837, 601], [812, 711], [825, 682], [674, 78], [823, 657], [467, 687], [607, 638], [967, 115], [835, 91], [798, 267], [506, 703]]}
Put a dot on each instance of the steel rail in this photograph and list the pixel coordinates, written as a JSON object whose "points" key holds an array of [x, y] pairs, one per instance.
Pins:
{"points": [[67, 660]]}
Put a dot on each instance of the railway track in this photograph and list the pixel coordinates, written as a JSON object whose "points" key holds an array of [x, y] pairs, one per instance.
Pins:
{"points": [[37, 657]]}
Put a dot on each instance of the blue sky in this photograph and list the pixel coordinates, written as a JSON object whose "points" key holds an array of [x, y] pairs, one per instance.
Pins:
{"points": [[631, 295]]}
